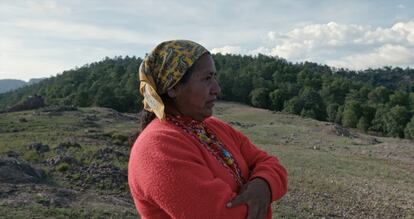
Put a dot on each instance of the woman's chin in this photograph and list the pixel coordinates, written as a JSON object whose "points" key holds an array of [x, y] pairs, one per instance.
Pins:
{"points": [[209, 113]]}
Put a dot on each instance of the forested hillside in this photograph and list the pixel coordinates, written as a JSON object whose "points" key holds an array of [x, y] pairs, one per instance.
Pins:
{"points": [[380, 100], [109, 83]]}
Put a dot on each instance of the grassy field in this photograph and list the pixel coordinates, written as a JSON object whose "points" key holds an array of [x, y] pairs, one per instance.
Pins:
{"points": [[88, 176], [330, 175], [333, 172]]}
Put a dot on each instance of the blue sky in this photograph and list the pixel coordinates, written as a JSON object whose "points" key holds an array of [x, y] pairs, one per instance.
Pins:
{"points": [[44, 38]]}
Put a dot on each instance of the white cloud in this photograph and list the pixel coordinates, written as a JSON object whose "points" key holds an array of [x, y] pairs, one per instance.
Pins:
{"points": [[398, 33], [342, 45], [405, 29], [271, 35], [261, 50], [312, 40], [228, 50], [390, 55], [64, 33], [239, 50]]}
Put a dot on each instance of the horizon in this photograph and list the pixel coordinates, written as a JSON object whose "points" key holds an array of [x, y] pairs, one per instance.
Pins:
{"points": [[44, 38], [255, 55]]}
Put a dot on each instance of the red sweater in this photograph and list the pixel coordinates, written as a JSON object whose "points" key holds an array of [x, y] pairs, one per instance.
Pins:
{"points": [[171, 174]]}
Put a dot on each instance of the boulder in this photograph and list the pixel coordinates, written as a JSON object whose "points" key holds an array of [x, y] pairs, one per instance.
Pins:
{"points": [[13, 170]]}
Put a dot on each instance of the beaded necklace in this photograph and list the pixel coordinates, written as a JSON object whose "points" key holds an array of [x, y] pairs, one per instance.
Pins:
{"points": [[206, 137]]}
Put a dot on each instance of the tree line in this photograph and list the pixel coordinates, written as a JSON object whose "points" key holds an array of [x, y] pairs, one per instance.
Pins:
{"points": [[379, 100]]}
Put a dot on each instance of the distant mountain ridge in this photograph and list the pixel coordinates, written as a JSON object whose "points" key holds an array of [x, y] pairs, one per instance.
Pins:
{"points": [[12, 84]]}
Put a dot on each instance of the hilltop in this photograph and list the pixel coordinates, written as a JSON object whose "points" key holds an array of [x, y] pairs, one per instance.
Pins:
{"points": [[73, 163], [373, 100]]}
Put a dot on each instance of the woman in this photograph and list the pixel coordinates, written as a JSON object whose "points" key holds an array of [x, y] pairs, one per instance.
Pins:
{"points": [[186, 163]]}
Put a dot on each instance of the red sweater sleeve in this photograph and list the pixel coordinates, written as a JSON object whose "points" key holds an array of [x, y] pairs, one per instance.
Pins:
{"points": [[260, 163], [168, 172]]}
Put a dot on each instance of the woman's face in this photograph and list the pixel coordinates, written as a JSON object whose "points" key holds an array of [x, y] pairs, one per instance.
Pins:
{"points": [[196, 97]]}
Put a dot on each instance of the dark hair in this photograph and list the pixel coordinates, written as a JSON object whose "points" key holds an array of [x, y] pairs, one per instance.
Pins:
{"points": [[146, 116]]}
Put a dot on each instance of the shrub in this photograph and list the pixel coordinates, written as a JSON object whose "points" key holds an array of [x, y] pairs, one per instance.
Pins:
{"points": [[63, 167]]}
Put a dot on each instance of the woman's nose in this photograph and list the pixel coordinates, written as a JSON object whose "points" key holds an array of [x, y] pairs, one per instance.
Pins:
{"points": [[215, 89]]}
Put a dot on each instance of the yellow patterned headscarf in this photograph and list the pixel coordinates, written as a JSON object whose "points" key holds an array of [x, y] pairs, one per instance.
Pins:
{"points": [[163, 68]]}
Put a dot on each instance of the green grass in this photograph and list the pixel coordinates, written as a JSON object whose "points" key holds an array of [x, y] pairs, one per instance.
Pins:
{"points": [[330, 176], [105, 131], [40, 212]]}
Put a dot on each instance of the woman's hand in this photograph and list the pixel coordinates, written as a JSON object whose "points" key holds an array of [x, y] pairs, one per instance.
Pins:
{"points": [[256, 194]]}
